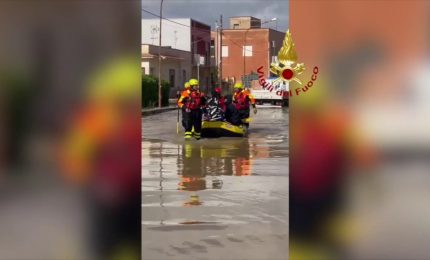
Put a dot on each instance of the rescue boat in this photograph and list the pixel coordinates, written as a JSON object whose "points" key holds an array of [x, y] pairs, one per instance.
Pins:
{"points": [[213, 129]]}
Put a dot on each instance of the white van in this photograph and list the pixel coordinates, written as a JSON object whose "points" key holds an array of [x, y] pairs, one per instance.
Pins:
{"points": [[263, 97]]}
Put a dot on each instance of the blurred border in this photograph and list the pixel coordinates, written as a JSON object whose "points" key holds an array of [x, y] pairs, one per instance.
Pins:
{"points": [[70, 129], [359, 137]]}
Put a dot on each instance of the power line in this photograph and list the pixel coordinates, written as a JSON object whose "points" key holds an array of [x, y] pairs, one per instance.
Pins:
{"points": [[199, 29], [202, 39], [175, 21], [164, 18], [268, 49], [241, 46]]}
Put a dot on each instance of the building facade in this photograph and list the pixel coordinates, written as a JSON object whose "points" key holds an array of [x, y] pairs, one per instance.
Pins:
{"points": [[187, 35], [175, 65], [246, 47]]}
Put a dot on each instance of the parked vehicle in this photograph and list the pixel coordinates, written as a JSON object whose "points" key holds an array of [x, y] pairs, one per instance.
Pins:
{"points": [[264, 97]]}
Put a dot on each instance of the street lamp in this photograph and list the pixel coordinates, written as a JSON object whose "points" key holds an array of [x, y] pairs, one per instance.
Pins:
{"points": [[274, 19], [159, 57]]}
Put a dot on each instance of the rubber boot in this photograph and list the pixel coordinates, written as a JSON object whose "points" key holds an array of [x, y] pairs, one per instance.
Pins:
{"points": [[197, 135], [188, 135]]}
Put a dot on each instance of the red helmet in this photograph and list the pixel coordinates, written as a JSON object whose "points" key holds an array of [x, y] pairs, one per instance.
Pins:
{"points": [[218, 90]]}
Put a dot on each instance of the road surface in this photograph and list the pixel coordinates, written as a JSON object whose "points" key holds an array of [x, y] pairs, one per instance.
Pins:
{"points": [[224, 198]]}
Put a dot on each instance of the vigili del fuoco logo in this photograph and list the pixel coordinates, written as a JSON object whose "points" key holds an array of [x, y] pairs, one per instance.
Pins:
{"points": [[287, 69]]}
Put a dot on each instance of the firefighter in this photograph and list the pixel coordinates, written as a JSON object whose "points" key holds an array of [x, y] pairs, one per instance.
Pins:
{"points": [[192, 103], [184, 93], [242, 99]]}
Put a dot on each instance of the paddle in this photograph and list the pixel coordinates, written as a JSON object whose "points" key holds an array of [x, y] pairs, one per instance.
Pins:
{"points": [[177, 120]]}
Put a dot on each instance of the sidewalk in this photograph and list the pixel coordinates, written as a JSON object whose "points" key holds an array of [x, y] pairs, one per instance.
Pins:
{"points": [[156, 110]]}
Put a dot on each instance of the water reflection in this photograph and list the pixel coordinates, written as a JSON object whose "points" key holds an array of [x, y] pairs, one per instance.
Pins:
{"points": [[199, 165], [203, 163]]}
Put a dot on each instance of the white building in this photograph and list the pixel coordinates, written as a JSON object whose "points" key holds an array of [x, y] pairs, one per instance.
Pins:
{"points": [[172, 34], [187, 35], [175, 65]]}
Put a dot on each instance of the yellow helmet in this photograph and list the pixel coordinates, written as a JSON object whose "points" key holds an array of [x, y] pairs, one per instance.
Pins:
{"points": [[193, 82], [238, 85], [187, 85]]}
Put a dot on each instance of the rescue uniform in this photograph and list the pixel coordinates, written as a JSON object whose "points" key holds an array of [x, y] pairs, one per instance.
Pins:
{"points": [[184, 93], [192, 102], [242, 99]]}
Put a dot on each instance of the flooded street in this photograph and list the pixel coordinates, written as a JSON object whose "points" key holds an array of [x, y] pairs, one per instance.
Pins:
{"points": [[224, 198]]}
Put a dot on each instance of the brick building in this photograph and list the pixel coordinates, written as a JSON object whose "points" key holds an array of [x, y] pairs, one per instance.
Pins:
{"points": [[246, 46]]}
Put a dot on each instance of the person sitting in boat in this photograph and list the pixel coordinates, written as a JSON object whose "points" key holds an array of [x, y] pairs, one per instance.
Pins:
{"points": [[242, 100], [231, 113], [216, 106]]}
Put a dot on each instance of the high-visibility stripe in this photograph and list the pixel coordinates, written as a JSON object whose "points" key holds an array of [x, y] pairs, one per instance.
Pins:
{"points": [[188, 133]]}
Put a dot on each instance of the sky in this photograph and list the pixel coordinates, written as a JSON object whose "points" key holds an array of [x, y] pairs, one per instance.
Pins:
{"points": [[208, 11]]}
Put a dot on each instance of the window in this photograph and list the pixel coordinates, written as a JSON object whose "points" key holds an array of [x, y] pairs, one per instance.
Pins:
{"points": [[143, 71], [151, 71], [224, 51], [184, 76], [172, 78], [212, 52], [236, 26], [247, 51]]}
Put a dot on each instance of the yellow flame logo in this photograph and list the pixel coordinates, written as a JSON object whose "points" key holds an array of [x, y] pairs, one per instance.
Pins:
{"points": [[287, 68]]}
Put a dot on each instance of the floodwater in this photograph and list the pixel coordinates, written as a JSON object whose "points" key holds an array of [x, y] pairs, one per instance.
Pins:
{"points": [[223, 198]]}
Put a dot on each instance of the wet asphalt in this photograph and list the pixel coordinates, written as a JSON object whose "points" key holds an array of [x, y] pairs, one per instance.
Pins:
{"points": [[222, 198]]}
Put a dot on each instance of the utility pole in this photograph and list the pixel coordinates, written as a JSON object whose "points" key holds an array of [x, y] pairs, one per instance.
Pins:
{"points": [[220, 52], [216, 48], [198, 67], [159, 58]]}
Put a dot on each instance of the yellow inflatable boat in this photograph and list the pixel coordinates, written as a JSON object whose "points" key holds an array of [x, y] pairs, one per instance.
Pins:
{"points": [[222, 129]]}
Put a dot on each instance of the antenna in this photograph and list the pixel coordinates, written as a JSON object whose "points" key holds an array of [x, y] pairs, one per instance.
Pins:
{"points": [[154, 30]]}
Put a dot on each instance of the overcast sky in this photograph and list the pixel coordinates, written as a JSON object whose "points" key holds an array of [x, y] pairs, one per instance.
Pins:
{"points": [[208, 11]]}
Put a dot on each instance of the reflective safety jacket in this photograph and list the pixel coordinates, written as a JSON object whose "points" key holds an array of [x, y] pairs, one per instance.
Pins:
{"points": [[192, 100], [242, 99]]}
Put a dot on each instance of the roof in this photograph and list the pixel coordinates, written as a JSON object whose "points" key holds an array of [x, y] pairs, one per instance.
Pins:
{"points": [[223, 30], [270, 29], [164, 47], [177, 18], [151, 56], [245, 16]]}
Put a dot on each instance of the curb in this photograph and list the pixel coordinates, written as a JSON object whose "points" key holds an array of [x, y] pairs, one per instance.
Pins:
{"points": [[152, 111]]}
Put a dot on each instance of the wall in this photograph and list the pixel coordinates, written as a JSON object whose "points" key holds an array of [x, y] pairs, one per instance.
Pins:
{"points": [[278, 37], [233, 65], [183, 33], [175, 59]]}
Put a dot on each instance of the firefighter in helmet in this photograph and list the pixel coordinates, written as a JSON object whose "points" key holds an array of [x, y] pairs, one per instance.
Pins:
{"points": [[242, 100], [192, 102]]}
